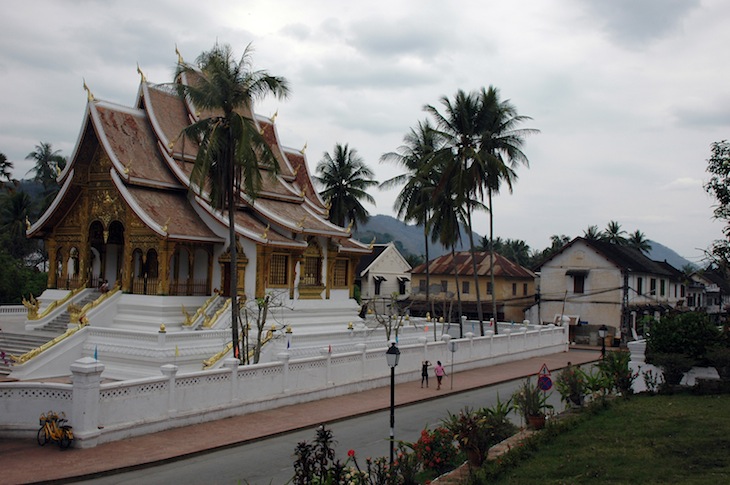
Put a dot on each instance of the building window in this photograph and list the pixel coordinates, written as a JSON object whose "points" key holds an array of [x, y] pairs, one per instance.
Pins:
{"points": [[640, 286], [378, 280], [402, 280], [465, 287], [681, 291], [524, 289], [340, 274], [489, 288], [312, 274], [444, 286], [422, 286], [278, 272], [662, 287], [579, 282], [652, 286], [514, 289]]}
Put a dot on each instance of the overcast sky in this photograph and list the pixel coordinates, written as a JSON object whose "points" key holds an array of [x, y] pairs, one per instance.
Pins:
{"points": [[628, 94]]}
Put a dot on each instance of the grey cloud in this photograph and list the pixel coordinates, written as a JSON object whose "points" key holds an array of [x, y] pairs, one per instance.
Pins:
{"points": [[633, 23]]}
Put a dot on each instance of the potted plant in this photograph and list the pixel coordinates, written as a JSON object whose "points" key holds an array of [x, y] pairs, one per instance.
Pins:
{"points": [[531, 403], [571, 384]]}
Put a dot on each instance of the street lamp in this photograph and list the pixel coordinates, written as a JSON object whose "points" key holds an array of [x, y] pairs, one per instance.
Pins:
{"points": [[392, 356], [602, 332]]}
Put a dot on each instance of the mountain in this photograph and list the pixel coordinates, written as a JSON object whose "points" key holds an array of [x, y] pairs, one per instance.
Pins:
{"points": [[659, 252], [408, 238]]}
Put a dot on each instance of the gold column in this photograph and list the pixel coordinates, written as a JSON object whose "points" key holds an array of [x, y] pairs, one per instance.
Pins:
{"points": [[164, 250], [52, 263]]}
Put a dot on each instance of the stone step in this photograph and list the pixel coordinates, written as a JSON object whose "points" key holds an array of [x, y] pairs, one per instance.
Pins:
{"points": [[17, 344]]}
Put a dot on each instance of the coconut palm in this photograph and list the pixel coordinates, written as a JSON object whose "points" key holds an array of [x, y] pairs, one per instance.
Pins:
{"points": [[614, 234], [413, 203], [232, 147], [638, 240], [14, 213], [460, 130], [501, 152], [345, 179], [5, 167], [48, 162], [592, 233]]}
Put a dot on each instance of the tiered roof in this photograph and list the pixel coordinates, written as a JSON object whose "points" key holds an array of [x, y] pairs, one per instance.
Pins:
{"points": [[151, 163]]}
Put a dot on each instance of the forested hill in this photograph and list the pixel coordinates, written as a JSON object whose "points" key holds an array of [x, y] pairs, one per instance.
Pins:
{"points": [[409, 240]]}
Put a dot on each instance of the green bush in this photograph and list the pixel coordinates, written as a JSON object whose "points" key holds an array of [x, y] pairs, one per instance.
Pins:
{"points": [[571, 384], [687, 334], [615, 366]]}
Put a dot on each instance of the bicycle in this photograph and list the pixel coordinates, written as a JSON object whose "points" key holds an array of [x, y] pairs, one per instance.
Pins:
{"points": [[55, 428]]}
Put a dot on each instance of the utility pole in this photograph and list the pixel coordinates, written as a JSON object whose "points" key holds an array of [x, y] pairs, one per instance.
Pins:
{"points": [[625, 309]]}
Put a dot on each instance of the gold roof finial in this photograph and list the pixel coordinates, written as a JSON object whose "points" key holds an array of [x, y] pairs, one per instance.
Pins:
{"points": [[273, 118], [144, 79], [265, 235], [89, 96], [304, 148], [179, 56], [27, 223], [301, 223], [372, 243], [164, 228], [349, 226]]}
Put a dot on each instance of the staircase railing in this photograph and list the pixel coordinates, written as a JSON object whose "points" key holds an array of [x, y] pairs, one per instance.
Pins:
{"points": [[32, 304], [80, 320]]}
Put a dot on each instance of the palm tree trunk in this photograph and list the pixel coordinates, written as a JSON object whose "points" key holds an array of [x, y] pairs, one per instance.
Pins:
{"points": [[428, 271], [480, 316], [232, 194], [458, 290], [491, 261]]}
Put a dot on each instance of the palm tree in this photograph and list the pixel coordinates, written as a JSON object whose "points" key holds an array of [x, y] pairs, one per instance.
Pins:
{"points": [[5, 167], [501, 150], [48, 163], [638, 240], [413, 203], [592, 233], [460, 130], [231, 145], [614, 234], [345, 179]]}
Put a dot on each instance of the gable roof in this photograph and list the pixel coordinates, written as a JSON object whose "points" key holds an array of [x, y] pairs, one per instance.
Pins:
{"points": [[624, 257], [445, 264]]}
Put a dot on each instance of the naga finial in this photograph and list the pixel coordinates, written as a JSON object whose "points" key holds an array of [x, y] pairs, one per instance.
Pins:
{"points": [[89, 96]]}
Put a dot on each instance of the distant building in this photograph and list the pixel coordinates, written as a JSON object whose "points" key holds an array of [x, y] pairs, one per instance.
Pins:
{"points": [[383, 273], [514, 286], [597, 283], [710, 292]]}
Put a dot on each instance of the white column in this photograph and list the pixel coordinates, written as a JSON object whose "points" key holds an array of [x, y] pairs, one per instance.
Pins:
{"points": [[284, 359], [86, 376], [362, 348], [170, 371], [232, 364]]}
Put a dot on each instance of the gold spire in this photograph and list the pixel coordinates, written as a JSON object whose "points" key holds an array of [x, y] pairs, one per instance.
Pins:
{"points": [[89, 96], [273, 118], [179, 56], [304, 148], [144, 79]]}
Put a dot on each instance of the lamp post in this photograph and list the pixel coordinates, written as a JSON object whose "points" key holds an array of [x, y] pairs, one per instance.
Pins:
{"points": [[602, 331], [392, 356]]}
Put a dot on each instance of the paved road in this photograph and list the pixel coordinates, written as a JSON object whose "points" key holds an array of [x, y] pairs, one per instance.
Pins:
{"points": [[269, 461]]}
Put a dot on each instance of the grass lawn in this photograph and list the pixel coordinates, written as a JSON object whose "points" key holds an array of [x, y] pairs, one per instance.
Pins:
{"points": [[647, 439]]}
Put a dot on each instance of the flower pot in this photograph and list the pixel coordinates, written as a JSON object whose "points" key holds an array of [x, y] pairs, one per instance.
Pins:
{"points": [[536, 422]]}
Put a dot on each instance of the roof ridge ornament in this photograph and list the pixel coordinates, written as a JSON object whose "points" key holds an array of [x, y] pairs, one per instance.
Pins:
{"points": [[179, 56], [144, 79], [265, 235], [304, 148], [273, 118], [89, 95]]}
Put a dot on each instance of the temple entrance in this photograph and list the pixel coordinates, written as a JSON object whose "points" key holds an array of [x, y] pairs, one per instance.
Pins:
{"points": [[106, 250], [145, 267], [189, 272]]}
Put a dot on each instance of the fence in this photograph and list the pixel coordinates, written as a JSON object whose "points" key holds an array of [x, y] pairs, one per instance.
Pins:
{"points": [[103, 412]]}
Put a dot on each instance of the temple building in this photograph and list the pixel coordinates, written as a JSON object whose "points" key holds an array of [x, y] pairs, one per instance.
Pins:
{"points": [[126, 213]]}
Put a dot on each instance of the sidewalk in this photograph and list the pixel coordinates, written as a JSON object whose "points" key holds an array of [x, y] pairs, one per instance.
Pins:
{"points": [[23, 461]]}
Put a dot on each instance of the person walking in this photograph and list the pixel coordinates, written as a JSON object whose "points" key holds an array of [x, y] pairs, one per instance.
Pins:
{"points": [[424, 372], [440, 373]]}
